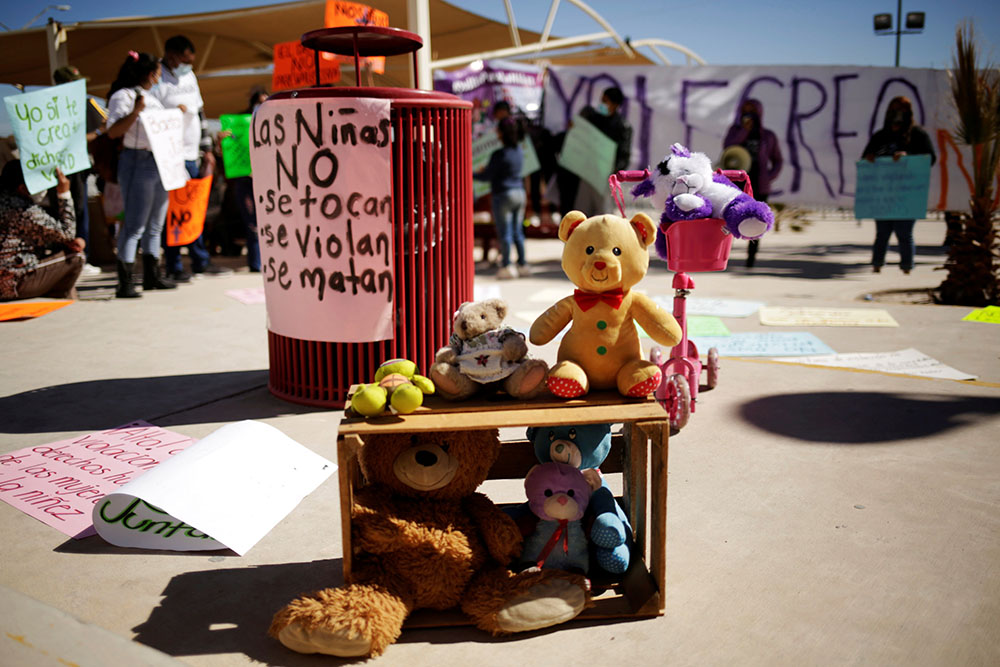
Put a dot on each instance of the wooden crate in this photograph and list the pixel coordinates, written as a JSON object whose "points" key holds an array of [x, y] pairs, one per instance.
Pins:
{"points": [[639, 452]]}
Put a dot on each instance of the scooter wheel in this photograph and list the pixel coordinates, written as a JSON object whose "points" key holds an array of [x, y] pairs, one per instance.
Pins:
{"points": [[713, 367], [678, 401]]}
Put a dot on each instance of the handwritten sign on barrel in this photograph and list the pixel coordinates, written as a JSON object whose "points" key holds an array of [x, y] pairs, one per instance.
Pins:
{"points": [[890, 189], [50, 126], [322, 180]]}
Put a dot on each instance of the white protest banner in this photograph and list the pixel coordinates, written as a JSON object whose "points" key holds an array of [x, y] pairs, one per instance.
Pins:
{"points": [[228, 490], [165, 129], [483, 147], [50, 126], [322, 178], [588, 153], [901, 362], [60, 483], [781, 316], [890, 189], [822, 115]]}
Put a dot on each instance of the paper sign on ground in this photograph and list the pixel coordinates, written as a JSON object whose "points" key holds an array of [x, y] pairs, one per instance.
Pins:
{"points": [[322, 179], [890, 189], [588, 153], [236, 146], [249, 296], [903, 362], [989, 314], [50, 126], [784, 343], [698, 325], [61, 482], [24, 311], [483, 147], [229, 490], [165, 130], [186, 211], [697, 305], [777, 316], [295, 67]]}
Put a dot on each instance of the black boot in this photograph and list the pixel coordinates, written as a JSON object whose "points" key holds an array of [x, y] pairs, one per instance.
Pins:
{"points": [[126, 290], [151, 277]]}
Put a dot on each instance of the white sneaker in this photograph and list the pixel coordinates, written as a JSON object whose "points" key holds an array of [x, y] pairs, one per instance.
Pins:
{"points": [[507, 273], [523, 270], [90, 270]]}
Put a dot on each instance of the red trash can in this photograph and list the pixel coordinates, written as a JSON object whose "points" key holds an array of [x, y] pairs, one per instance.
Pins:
{"points": [[431, 222]]}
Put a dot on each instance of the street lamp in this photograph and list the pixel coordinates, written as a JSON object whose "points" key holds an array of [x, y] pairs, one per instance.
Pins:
{"points": [[61, 8], [914, 25]]}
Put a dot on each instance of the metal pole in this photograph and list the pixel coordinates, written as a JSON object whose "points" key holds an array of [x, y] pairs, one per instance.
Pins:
{"points": [[899, 26]]}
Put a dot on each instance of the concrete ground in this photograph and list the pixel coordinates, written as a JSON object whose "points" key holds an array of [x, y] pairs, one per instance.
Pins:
{"points": [[815, 516]]}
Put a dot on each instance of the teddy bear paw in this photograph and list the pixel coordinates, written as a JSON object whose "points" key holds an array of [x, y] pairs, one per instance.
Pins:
{"points": [[341, 643], [607, 531], [613, 561], [752, 228], [545, 604], [644, 388], [565, 387]]}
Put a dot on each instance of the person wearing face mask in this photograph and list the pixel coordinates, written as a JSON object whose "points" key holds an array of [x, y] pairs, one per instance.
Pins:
{"points": [[242, 192], [898, 137], [39, 255], [142, 191], [179, 89], [608, 120], [765, 155]]}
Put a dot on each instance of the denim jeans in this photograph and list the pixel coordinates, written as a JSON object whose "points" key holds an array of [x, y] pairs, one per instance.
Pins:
{"points": [[507, 209], [243, 192], [145, 204], [904, 237], [196, 249]]}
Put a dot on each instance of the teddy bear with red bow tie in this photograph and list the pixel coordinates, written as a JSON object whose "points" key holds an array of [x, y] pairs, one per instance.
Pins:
{"points": [[605, 256]]}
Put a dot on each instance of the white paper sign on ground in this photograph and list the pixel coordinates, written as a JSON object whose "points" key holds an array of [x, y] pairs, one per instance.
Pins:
{"points": [[165, 130], [228, 490], [903, 362], [779, 343], [777, 316], [248, 295], [697, 305]]}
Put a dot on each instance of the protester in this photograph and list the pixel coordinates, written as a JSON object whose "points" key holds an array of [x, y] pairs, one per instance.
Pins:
{"points": [[898, 137], [503, 171], [95, 117], [142, 191], [765, 155], [39, 254], [179, 89], [243, 194], [611, 123]]}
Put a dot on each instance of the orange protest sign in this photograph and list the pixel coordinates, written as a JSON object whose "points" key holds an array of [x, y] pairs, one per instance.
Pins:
{"points": [[340, 13], [25, 311], [295, 67], [186, 212]]}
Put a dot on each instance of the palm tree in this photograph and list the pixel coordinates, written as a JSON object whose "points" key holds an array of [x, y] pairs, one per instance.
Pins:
{"points": [[973, 262]]}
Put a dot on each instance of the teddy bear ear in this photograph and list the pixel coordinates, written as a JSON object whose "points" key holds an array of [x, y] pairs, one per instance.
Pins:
{"points": [[500, 306], [569, 223], [644, 228]]}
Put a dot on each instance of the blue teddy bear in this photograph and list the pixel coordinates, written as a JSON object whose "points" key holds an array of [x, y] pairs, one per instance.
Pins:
{"points": [[585, 447]]}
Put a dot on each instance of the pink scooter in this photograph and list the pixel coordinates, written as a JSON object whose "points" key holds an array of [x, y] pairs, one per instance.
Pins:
{"points": [[692, 246]]}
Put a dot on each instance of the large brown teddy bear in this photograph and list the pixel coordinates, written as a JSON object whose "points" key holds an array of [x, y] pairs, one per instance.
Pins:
{"points": [[423, 538], [605, 256]]}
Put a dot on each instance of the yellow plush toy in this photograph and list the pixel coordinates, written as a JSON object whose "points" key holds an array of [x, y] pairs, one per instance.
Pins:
{"points": [[605, 256]]}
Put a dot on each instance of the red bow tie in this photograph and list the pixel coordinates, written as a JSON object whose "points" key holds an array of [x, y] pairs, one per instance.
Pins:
{"points": [[587, 300]]}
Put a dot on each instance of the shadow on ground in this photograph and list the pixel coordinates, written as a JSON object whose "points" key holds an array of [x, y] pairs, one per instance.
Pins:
{"points": [[165, 401], [856, 418]]}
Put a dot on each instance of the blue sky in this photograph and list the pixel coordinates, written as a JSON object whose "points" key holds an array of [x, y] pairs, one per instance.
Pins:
{"points": [[723, 32]]}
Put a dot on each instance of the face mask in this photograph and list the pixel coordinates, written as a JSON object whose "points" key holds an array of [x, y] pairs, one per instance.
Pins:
{"points": [[183, 69], [898, 118], [603, 109]]}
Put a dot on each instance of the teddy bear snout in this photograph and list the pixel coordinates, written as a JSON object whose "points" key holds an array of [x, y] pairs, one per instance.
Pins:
{"points": [[599, 266], [562, 500], [426, 458]]}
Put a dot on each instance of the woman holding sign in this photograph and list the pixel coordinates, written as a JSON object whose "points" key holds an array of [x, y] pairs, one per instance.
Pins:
{"points": [[503, 171], [142, 191], [899, 137]]}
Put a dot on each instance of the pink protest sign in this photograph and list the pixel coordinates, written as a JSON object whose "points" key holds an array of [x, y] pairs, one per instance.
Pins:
{"points": [[322, 178], [59, 483]]}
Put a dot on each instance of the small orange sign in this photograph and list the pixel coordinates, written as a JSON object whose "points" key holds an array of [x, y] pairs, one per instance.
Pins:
{"points": [[28, 310], [186, 212], [295, 67], [340, 13]]}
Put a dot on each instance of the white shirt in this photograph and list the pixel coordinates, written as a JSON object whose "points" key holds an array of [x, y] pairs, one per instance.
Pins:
{"points": [[120, 105], [175, 91]]}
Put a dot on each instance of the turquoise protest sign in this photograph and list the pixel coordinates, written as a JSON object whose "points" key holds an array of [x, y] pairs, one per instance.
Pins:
{"points": [[236, 146], [588, 153], [483, 147], [890, 189], [50, 126]]}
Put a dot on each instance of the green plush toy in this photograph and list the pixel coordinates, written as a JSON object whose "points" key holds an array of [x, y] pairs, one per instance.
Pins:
{"points": [[396, 383]]}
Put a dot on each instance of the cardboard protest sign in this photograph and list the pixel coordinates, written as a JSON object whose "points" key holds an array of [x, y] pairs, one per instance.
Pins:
{"points": [[588, 153], [901, 362], [295, 67], [236, 146], [781, 343], [322, 179], [890, 189], [60, 483], [50, 126], [340, 13], [165, 130], [483, 147], [778, 316], [28, 310], [186, 211], [229, 490]]}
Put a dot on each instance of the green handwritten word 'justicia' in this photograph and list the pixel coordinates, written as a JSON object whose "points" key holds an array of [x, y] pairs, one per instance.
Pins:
{"points": [[164, 529]]}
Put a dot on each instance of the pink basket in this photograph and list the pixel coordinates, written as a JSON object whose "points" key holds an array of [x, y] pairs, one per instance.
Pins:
{"points": [[698, 245]]}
